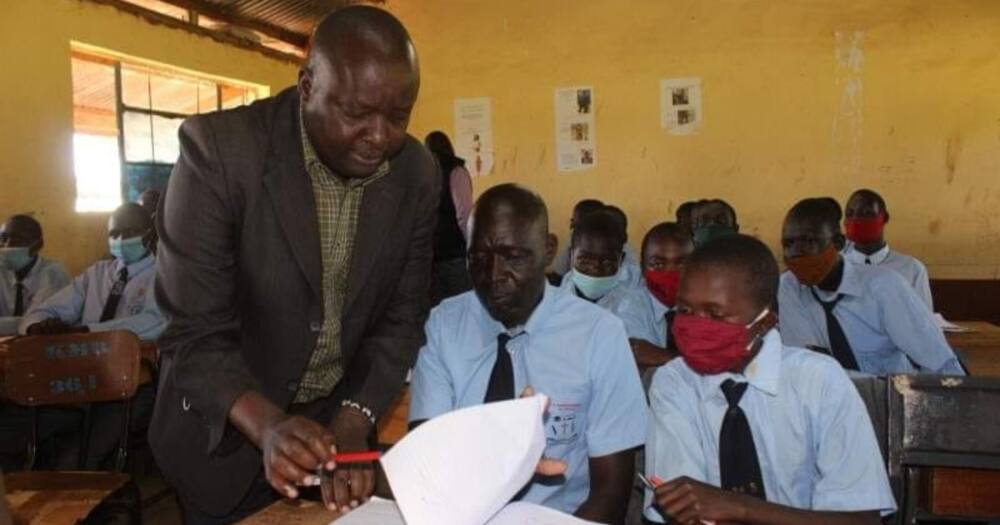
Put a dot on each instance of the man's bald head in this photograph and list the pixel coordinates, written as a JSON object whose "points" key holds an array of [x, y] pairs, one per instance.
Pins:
{"points": [[514, 202], [362, 33]]}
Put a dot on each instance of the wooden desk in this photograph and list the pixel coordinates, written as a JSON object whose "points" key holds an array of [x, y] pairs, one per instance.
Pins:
{"points": [[289, 512], [58, 498], [981, 346]]}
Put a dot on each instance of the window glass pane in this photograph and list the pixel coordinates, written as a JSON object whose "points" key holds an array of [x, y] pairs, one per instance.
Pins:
{"points": [[135, 86], [175, 94], [166, 147], [208, 97], [98, 172], [138, 135], [233, 96]]}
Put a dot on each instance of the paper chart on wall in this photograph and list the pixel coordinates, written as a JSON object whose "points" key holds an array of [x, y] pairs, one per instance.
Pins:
{"points": [[680, 105], [576, 136], [474, 134]]}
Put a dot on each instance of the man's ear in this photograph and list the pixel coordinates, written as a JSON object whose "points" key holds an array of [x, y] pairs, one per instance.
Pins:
{"points": [[551, 245], [305, 82], [839, 241], [736, 227], [886, 215]]}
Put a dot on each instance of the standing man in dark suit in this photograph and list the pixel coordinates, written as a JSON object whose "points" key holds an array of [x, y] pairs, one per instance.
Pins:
{"points": [[294, 266]]}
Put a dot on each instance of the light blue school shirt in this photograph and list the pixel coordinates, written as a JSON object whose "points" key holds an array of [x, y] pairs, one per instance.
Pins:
{"points": [[885, 322], [644, 316], [813, 435], [82, 301], [912, 270], [45, 278], [611, 301], [570, 350]]}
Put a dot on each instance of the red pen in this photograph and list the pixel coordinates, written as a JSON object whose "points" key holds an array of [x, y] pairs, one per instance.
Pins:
{"points": [[357, 457]]}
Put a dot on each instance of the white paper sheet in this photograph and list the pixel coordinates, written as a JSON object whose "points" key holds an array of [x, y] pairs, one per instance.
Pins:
{"points": [[576, 134], [376, 511], [947, 326], [462, 467], [474, 134], [523, 513], [680, 105]]}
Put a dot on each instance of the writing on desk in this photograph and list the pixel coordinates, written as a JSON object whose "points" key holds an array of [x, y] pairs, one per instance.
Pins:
{"points": [[73, 350], [71, 385]]}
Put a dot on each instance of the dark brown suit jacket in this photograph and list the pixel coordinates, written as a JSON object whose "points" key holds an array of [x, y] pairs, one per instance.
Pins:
{"points": [[239, 278]]}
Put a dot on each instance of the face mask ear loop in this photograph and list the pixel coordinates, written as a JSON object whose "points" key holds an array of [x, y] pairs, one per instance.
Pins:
{"points": [[760, 335]]}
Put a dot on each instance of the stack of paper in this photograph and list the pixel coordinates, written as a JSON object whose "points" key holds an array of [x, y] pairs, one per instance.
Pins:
{"points": [[463, 467]]}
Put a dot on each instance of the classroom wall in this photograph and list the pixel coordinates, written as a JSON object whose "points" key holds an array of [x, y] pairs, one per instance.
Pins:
{"points": [[36, 105], [801, 98]]}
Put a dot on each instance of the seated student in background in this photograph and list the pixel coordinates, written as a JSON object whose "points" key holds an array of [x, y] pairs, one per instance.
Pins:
{"points": [[648, 310], [582, 208], [630, 256], [514, 331], [746, 429], [867, 317], [864, 223], [712, 218], [683, 214], [597, 261], [26, 278], [112, 294]]}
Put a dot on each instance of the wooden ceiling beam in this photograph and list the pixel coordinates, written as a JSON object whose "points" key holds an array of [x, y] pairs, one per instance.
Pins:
{"points": [[222, 15]]}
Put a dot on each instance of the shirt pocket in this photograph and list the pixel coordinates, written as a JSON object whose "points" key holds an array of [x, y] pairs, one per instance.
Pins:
{"points": [[566, 420]]}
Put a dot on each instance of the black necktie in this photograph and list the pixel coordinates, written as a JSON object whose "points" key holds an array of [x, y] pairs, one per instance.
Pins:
{"points": [[868, 261], [840, 347], [19, 289], [671, 343], [501, 387], [739, 468], [117, 289]]}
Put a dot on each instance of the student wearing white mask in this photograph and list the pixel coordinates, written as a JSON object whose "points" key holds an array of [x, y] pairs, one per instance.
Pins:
{"points": [[597, 260], [26, 278], [112, 294]]}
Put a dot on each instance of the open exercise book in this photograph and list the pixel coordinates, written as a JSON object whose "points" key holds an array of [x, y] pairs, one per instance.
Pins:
{"points": [[462, 468]]}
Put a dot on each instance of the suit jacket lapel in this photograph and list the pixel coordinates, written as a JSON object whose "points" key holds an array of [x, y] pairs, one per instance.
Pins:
{"points": [[291, 193], [379, 207]]}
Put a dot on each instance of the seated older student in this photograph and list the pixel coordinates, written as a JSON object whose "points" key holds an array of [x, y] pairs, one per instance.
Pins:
{"points": [[597, 259], [712, 218], [112, 294], [864, 223], [867, 317], [648, 311], [26, 278], [746, 429], [580, 210], [515, 331]]}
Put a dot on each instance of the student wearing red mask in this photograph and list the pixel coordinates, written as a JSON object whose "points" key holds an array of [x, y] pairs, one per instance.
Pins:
{"points": [[864, 223], [648, 310], [745, 429], [867, 317]]}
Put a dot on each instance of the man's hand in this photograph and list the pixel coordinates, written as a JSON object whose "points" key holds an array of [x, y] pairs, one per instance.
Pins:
{"points": [[686, 501], [294, 448], [349, 485], [51, 326]]}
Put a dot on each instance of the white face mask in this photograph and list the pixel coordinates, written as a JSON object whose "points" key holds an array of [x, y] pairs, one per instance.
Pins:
{"points": [[15, 258], [594, 288]]}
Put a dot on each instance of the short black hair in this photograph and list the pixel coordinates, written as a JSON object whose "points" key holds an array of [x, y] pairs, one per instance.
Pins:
{"points": [[719, 202], [872, 195], [817, 209], [835, 207], [684, 211], [586, 207], [619, 214], [745, 255], [361, 28], [663, 231], [529, 205], [28, 224], [603, 224]]}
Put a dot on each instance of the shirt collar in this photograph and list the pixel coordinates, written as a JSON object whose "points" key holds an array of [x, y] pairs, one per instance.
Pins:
{"points": [[763, 373], [313, 162], [855, 256], [492, 328], [850, 282], [659, 308], [136, 267]]}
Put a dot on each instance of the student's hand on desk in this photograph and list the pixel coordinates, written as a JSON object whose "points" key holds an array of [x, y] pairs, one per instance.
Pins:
{"points": [[348, 486], [546, 466], [294, 449], [689, 502]]}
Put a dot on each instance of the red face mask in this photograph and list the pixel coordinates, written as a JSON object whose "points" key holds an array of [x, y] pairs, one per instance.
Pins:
{"points": [[663, 284], [866, 230], [712, 347]]}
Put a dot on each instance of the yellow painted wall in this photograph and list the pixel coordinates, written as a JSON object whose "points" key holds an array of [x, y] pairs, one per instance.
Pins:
{"points": [[36, 105], [781, 123]]}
